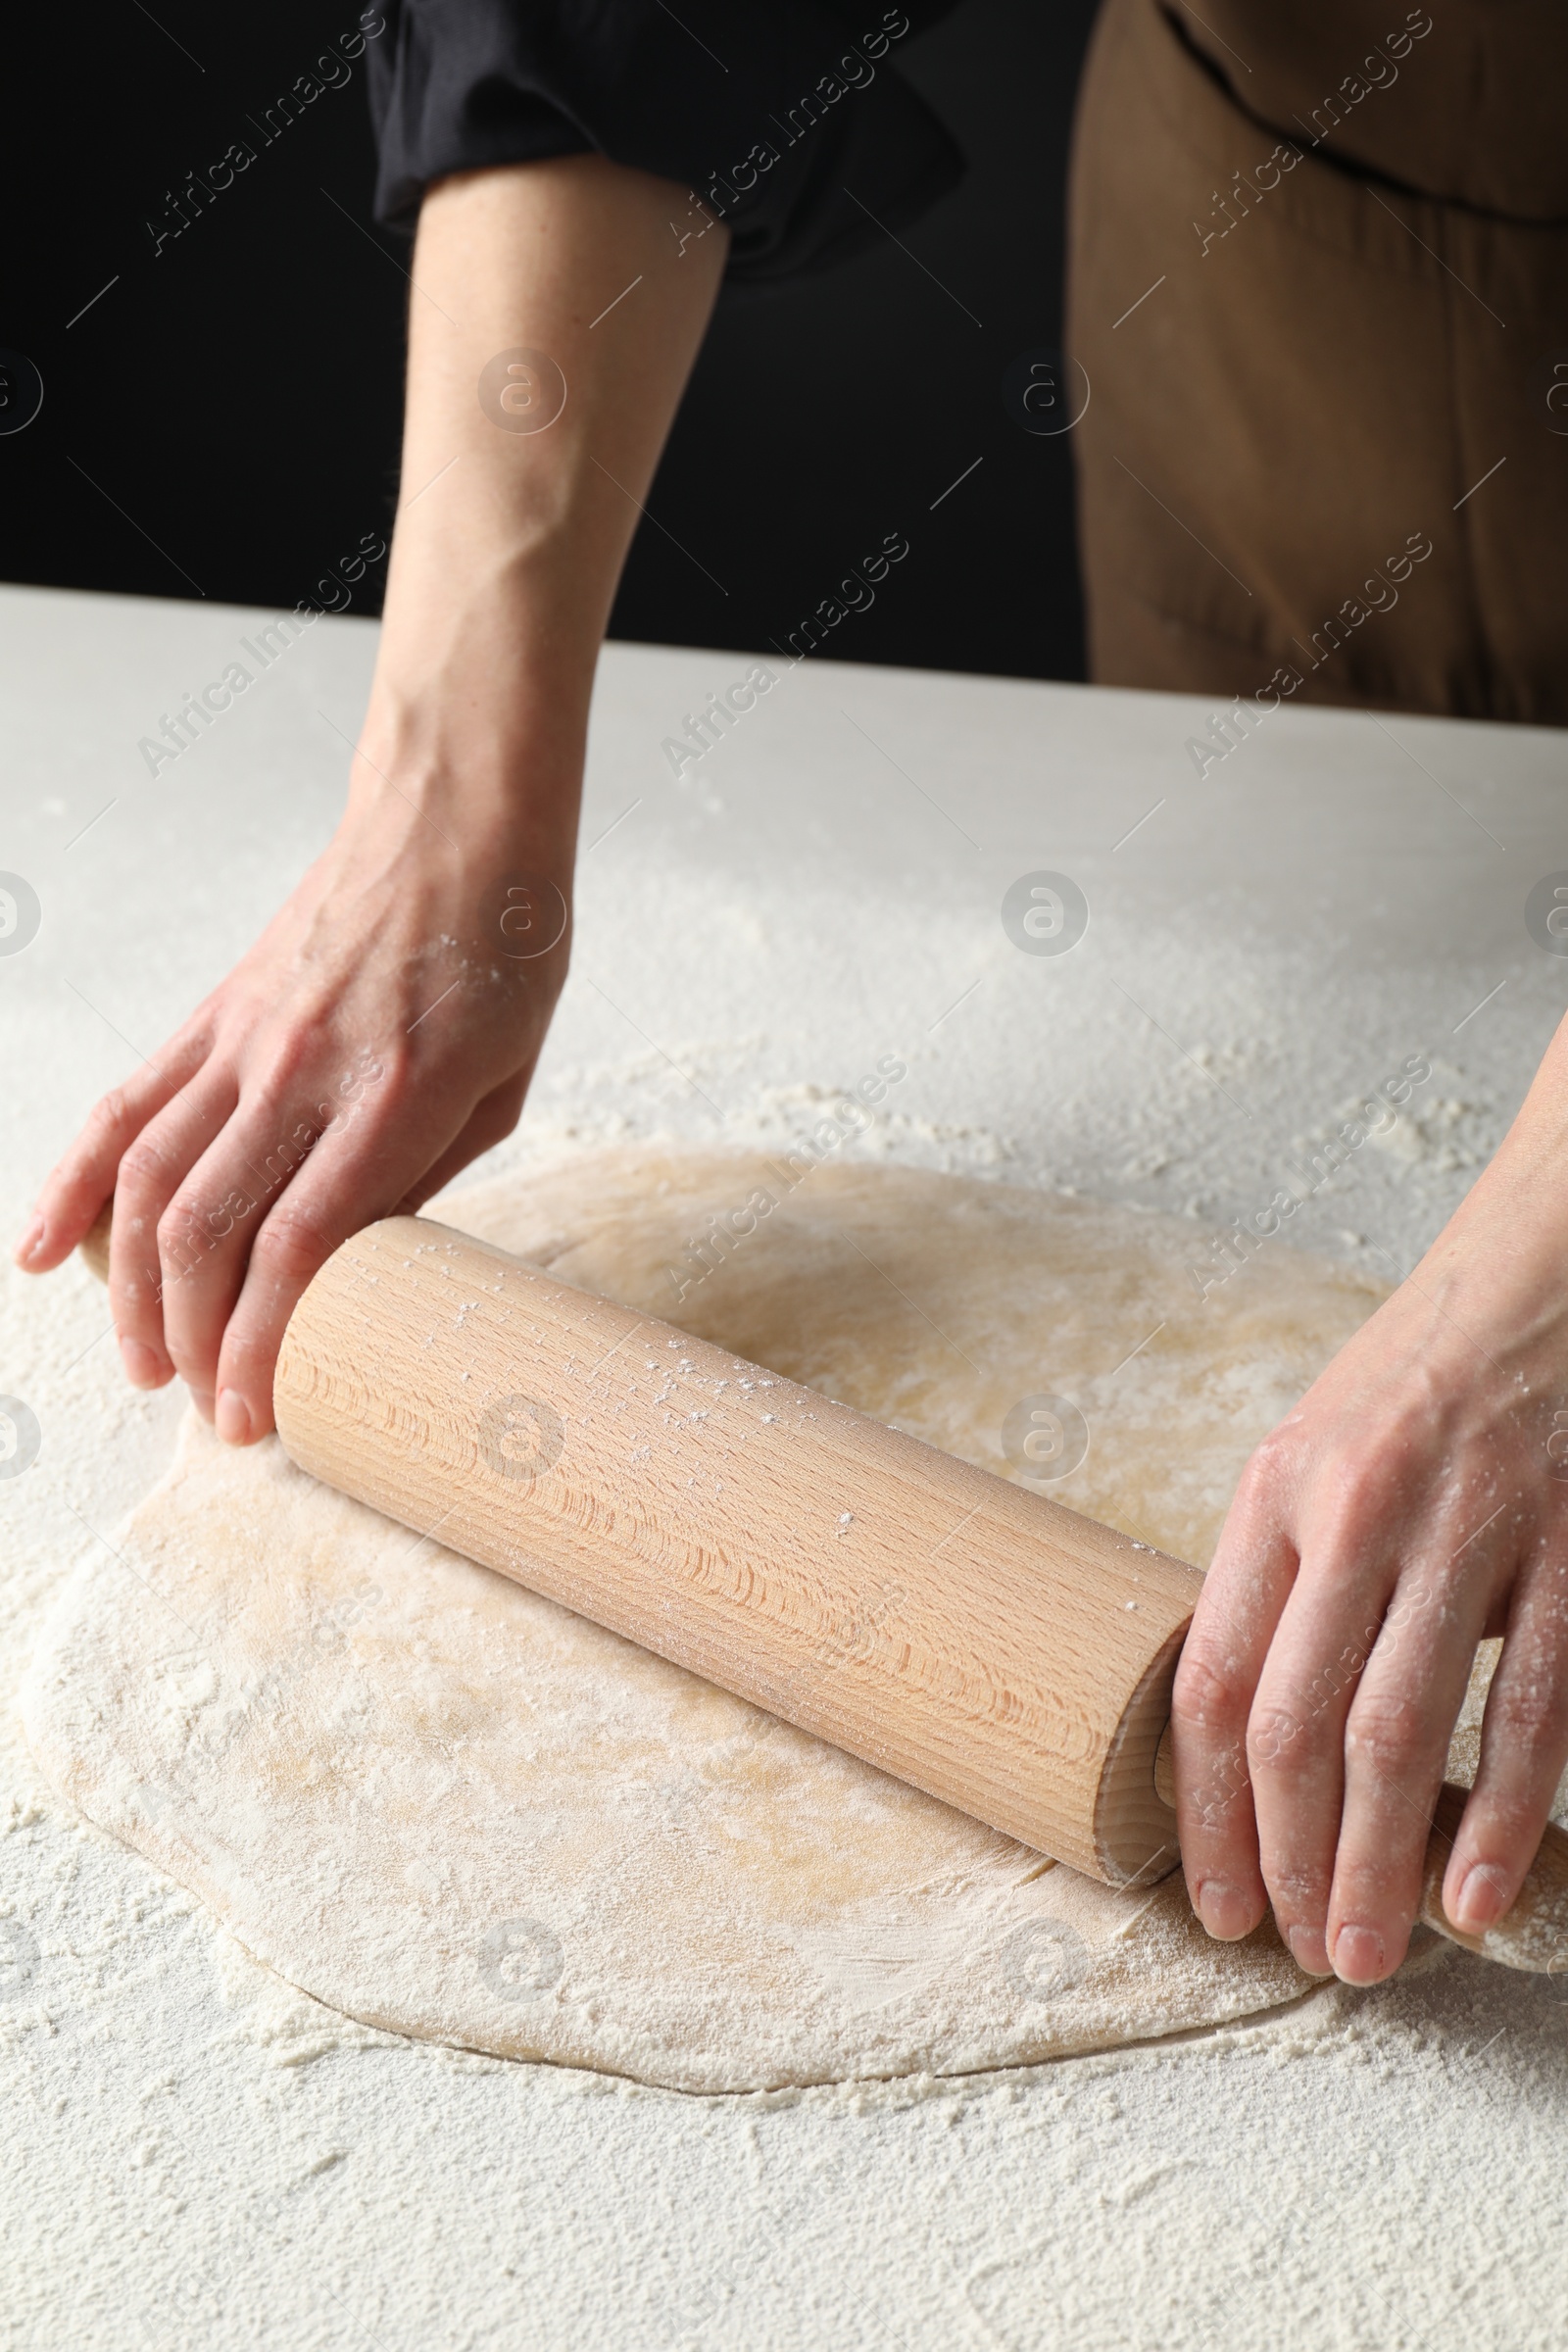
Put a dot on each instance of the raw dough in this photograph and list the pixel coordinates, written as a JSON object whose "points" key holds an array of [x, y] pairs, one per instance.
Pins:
{"points": [[452, 1809]]}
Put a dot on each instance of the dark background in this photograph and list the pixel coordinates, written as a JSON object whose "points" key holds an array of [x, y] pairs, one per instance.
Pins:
{"points": [[224, 420]]}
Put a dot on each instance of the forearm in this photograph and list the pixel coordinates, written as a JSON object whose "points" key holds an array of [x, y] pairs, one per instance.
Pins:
{"points": [[233, 1174], [508, 544], [1503, 1254]]}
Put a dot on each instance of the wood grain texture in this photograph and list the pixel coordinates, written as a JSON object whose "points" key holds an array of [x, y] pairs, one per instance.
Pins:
{"points": [[969, 1637], [1534, 1933]]}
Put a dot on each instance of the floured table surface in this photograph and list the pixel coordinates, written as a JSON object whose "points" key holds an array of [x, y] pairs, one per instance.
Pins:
{"points": [[200, 2155]]}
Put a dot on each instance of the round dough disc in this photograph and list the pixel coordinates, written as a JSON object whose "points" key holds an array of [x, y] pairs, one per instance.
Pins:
{"points": [[452, 1809]]}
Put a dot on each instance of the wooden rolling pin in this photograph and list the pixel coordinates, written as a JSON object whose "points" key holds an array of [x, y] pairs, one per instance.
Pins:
{"points": [[965, 1634], [962, 1632]]}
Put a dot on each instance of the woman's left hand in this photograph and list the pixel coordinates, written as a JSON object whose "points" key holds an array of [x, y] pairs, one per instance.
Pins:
{"points": [[1413, 1504]]}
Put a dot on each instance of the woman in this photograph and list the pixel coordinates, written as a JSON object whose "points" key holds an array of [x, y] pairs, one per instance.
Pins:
{"points": [[1298, 257]]}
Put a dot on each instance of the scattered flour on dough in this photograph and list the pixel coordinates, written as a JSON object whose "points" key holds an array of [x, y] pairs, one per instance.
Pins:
{"points": [[448, 1808]]}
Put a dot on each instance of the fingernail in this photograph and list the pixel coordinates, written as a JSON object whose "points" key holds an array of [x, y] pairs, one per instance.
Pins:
{"points": [[1309, 1951], [27, 1246], [1359, 1955], [1222, 1910], [144, 1368], [1483, 1899], [234, 1418]]}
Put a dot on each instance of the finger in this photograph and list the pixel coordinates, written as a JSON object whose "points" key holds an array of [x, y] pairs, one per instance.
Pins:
{"points": [[203, 1237], [1523, 1746], [1296, 1739], [349, 1189], [1244, 1591], [1396, 1744], [213, 1221], [77, 1188], [150, 1172], [348, 1183]]}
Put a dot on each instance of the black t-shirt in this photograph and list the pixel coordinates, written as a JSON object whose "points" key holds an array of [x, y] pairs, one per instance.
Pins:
{"points": [[787, 119]]}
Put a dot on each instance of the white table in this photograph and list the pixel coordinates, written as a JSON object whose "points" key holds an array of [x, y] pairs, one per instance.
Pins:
{"points": [[823, 888]]}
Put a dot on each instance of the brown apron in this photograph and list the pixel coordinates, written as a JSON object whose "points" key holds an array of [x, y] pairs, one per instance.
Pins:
{"points": [[1318, 281]]}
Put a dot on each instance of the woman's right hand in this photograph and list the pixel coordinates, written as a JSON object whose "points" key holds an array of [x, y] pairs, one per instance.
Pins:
{"points": [[382, 1030], [378, 1036]]}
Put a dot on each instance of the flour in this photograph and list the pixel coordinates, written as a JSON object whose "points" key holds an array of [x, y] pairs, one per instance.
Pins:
{"points": [[136, 2002], [198, 2155], [447, 1807]]}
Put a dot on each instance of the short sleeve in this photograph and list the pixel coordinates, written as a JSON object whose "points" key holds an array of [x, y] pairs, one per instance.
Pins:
{"points": [[788, 119]]}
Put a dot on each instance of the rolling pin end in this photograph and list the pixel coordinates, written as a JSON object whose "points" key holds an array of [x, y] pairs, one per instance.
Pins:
{"points": [[1165, 1769], [94, 1243], [1533, 1935]]}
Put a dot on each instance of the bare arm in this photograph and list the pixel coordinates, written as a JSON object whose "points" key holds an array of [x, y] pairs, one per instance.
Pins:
{"points": [[383, 1029]]}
